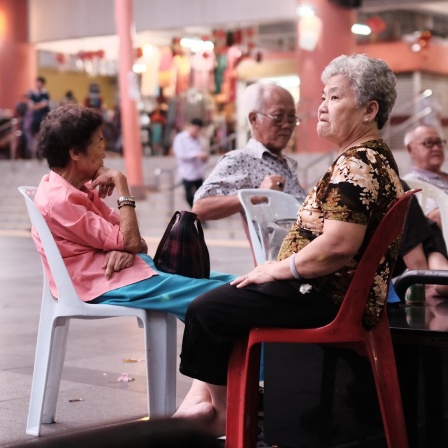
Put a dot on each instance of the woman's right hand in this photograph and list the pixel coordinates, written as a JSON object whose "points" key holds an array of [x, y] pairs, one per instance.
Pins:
{"points": [[116, 261], [260, 275]]}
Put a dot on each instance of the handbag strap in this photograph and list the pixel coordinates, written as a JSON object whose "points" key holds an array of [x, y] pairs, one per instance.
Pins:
{"points": [[195, 221], [199, 227], [170, 225]]}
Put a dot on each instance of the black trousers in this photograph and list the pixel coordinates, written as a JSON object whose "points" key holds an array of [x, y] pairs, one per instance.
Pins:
{"points": [[191, 187], [217, 318]]}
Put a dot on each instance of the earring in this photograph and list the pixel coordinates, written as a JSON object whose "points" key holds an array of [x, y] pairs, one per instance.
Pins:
{"points": [[366, 120]]}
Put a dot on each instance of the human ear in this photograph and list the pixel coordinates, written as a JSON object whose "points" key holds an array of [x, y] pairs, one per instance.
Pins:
{"points": [[252, 118], [74, 154], [372, 109]]}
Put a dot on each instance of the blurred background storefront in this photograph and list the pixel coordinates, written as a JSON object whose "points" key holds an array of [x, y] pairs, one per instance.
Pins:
{"points": [[193, 58]]}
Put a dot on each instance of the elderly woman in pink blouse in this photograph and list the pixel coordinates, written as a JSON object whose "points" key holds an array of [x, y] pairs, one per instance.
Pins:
{"points": [[102, 248]]}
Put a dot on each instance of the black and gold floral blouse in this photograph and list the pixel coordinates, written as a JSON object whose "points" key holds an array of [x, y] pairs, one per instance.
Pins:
{"points": [[359, 187]]}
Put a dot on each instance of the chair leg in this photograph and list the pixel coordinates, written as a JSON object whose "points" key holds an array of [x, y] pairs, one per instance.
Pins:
{"points": [[161, 351], [57, 357], [242, 396], [388, 388], [50, 353], [434, 406], [328, 380]]}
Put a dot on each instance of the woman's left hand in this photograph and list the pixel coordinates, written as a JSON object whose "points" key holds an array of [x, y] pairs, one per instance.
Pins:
{"points": [[260, 275], [104, 180]]}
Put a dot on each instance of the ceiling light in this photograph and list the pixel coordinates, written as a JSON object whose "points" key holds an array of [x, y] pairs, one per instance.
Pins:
{"points": [[305, 11], [361, 29]]}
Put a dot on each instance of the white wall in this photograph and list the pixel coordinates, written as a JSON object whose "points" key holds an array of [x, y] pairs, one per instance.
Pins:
{"points": [[68, 19], [160, 14]]}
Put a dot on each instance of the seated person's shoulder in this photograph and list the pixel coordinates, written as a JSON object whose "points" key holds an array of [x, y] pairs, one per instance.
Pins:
{"points": [[234, 157], [237, 154], [405, 185], [411, 175]]}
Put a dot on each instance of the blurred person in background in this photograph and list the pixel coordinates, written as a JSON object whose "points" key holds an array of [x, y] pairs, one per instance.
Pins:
{"points": [[39, 105], [191, 158]]}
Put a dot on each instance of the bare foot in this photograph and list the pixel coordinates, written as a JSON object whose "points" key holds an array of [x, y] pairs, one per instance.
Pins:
{"points": [[200, 406], [202, 412], [218, 424], [197, 404], [205, 414]]}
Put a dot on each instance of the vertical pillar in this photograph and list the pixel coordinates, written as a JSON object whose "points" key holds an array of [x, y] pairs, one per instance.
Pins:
{"points": [[132, 145], [416, 88], [335, 38], [18, 61]]}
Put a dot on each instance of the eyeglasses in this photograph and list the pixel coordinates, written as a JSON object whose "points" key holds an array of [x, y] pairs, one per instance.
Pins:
{"points": [[291, 120], [431, 143]]}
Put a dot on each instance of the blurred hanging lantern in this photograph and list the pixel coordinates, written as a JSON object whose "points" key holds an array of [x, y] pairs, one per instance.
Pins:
{"points": [[60, 58], [310, 28], [176, 47], [250, 39], [219, 40], [238, 36], [425, 38], [422, 41], [62, 61], [376, 24]]}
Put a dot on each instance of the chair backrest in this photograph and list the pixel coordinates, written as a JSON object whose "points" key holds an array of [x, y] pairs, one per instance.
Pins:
{"points": [[64, 284], [389, 229], [268, 222], [438, 195]]}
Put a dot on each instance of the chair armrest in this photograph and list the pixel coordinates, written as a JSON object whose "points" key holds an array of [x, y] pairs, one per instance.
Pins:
{"points": [[425, 277]]}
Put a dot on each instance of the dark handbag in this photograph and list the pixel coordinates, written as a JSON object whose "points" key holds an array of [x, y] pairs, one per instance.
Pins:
{"points": [[182, 249]]}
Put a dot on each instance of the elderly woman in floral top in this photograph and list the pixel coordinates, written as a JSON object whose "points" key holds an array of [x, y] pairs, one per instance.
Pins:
{"points": [[305, 286]]}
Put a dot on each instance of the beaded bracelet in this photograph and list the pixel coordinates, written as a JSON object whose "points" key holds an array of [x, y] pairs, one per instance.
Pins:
{"points": [[292, 267], [124, 203], [125, 199]]}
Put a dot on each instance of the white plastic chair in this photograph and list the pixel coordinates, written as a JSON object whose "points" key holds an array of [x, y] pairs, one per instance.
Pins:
{"points": [[268, 222], [160, 336], [438, 195]]}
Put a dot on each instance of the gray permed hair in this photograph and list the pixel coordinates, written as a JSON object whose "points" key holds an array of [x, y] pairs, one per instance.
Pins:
{"points": [[371, 80]]}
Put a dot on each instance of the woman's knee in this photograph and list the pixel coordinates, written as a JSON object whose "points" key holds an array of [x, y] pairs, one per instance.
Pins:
{"points": [[199, 307], [207, 307]]}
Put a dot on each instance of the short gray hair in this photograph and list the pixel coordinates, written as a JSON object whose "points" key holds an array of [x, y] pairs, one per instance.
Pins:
{"points": [[255, 94], [371, 80], [409, 137]]}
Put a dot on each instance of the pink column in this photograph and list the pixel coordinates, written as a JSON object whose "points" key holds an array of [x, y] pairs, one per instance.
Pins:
{"points": [[335, 39], [18, 61], [132, 145]]}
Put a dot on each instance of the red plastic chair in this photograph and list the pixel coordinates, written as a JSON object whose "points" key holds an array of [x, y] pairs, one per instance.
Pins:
{"points": [[345, 331]]}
